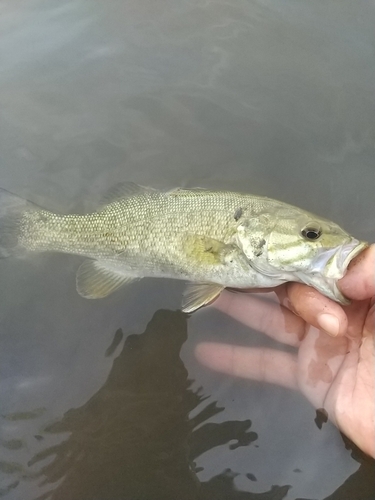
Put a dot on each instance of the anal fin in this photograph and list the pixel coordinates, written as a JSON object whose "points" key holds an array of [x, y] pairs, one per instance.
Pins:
{"points": [[199, 294], [97, 279]]}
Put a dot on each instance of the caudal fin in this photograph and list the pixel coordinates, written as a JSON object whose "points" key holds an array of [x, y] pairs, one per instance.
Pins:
{"points": [[12, 208]]}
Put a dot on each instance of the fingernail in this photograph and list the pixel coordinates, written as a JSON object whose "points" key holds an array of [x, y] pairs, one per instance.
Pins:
{"points": [[329, 323]]}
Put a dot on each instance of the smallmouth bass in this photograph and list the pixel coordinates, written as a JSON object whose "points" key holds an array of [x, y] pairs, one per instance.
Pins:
{"points": [[211, 239]]}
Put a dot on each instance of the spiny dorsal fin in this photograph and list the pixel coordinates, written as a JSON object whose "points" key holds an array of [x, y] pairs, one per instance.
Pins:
{"points": [[199, 294], [124, 190], [96, 280]]}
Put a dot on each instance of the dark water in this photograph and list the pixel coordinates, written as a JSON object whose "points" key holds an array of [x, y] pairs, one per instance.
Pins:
{"points": [[105, 400]]}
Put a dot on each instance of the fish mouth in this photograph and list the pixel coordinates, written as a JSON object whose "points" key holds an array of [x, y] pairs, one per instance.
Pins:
{"points": [[332, 265], [338, 263]]}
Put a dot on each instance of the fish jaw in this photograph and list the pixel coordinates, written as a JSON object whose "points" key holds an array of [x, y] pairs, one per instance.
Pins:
{"points": [[330, 266]]}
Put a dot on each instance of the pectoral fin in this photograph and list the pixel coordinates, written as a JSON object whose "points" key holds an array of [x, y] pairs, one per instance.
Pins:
{"points": [[205, 250], [199, 294], [96, 279]]}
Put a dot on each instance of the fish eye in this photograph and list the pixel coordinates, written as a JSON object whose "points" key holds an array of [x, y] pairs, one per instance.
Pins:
{"points": [[311, 232]]}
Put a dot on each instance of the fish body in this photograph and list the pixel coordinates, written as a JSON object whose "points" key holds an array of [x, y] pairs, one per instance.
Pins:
{"points": [[212, 239]]}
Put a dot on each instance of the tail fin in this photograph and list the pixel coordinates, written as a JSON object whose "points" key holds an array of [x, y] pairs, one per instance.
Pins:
{"points": [[12, 208]]}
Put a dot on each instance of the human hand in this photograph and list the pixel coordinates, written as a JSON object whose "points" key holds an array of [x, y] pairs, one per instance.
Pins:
{"points": [[335, 371]]}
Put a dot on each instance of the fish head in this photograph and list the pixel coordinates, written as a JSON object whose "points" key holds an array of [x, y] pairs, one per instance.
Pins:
{"points": [[299, 246]]}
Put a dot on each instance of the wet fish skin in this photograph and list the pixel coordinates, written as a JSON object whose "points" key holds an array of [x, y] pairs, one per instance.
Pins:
{"points": [[213, 239]]}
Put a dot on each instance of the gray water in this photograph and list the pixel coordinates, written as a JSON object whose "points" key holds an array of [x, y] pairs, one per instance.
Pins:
{"points": [[105, 400]]}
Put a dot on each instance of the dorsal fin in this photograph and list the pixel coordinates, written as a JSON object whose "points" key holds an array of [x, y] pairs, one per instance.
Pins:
{"points": [[124, 190]]}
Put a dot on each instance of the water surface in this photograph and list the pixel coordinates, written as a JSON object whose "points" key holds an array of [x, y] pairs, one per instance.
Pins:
{"points": [[105, 400]]}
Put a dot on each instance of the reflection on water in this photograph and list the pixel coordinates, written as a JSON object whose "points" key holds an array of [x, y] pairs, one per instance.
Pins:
{"points": [[130, 439]]}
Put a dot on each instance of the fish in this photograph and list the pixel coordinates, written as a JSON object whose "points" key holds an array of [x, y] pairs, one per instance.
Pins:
{"points": [[211, 239]]}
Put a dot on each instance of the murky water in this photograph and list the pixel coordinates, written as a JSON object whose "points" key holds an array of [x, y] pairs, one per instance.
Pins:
{"points": [[105, 400]]}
